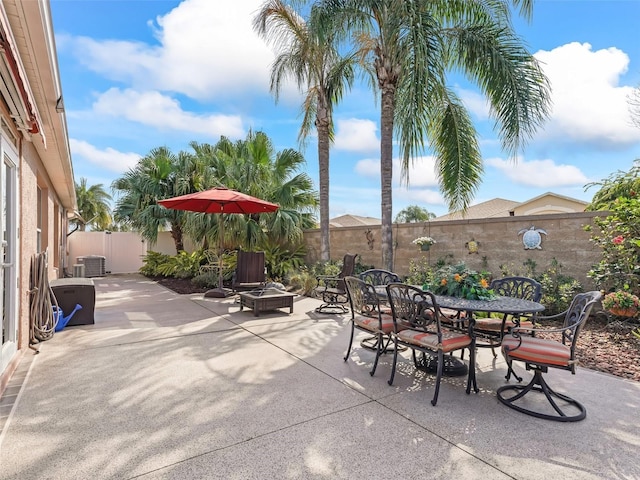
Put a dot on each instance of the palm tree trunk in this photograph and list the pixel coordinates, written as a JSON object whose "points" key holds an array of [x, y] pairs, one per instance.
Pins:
{"points": [[386, 172], [322, 126], [176, 234]]}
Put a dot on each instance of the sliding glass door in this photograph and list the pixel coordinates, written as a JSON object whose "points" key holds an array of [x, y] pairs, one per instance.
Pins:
{"points": [[8, 252]]}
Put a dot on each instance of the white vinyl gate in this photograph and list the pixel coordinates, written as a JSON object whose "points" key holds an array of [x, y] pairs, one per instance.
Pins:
{"points": [[123, 251]]}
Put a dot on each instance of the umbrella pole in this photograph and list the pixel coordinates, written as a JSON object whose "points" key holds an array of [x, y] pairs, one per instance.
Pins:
{"points": [[219, 291]]}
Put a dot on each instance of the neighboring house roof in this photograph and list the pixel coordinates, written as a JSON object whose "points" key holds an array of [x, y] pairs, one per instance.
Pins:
{"points": [[353, 221], [498, 207]]}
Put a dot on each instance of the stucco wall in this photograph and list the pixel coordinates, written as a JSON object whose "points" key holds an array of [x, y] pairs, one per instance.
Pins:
{"points": [[28, 241], [500, 243]]}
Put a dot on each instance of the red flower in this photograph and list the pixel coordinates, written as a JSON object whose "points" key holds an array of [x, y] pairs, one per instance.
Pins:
{"points": [[618, 240]]}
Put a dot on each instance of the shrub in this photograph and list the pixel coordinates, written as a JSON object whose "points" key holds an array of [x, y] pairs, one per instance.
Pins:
{"points": [[150, 263], [206, 280], [558, 290]]}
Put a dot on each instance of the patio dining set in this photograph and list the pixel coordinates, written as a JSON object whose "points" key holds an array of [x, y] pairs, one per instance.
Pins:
{"points": [[399, 316]]}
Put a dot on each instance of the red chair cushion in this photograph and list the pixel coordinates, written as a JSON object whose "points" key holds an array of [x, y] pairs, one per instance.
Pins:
{"points": [[537, 350], [450, 340], [373, 324]]}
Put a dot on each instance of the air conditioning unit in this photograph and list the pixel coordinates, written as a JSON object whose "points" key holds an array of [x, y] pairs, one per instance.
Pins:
{"points": [[78, 270], [94, 265]]}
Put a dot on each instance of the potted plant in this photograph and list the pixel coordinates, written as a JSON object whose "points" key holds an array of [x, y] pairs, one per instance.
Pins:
{"points": [[621, 303], [460, 281], [424, 242]]}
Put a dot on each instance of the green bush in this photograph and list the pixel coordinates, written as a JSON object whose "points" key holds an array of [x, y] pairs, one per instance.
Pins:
{"points": [[558, 290], [282, 260], [150, 263], [206, 280], [182, 265], [303, 281]]}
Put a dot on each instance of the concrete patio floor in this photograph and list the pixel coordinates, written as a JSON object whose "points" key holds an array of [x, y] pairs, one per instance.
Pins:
{"points": [[179, 386]]}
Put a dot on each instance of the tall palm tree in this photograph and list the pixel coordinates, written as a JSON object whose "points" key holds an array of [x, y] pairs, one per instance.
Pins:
{"points": [[93, 206], [308, 55], [252, 166], [158, 175], [409, 46]]}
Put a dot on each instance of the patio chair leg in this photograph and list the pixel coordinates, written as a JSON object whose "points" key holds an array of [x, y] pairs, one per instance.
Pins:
{"points": [[471, 377], [350, 342], [438, 377], [379, 349], [538, 384], [395, 360], [511, 371]]}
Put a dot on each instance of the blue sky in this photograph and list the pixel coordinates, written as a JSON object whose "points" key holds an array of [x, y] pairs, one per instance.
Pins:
{"points": [[140, 74]]}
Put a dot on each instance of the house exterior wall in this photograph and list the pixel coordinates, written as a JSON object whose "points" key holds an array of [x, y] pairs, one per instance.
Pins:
{"points": [[499, 239], [548, 204], [30, 88]]}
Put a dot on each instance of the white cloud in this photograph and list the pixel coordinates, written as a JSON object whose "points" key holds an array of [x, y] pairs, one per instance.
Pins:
{"points": [[419, 196], [539, 173], [108, 158], [475, 102], [204, 51], [160, 111], [356, 135], [589, 105], [368, 168]]}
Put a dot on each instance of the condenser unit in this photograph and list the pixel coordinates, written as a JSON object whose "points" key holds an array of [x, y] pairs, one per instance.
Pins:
{"points": [[94, 265], [78, 270]]}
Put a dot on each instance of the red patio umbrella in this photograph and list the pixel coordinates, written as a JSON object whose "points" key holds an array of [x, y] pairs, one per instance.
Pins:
{"points": [[219, 200]]}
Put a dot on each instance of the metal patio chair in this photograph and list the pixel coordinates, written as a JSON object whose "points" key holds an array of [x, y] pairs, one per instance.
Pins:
{"points": [[332, 289], [367, 316], [541, 353], [417, 325]]}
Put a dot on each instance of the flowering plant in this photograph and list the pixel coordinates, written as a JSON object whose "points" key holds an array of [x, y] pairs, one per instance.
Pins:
{"points": [[424, 241], [621, 300], [460, 281]]}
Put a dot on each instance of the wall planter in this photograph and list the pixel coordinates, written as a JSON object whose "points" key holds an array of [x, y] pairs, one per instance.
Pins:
{"points": [[425, 247]]}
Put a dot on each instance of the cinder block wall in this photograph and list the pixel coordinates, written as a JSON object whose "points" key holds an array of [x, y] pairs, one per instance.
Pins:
{"points": [[500, 243]]}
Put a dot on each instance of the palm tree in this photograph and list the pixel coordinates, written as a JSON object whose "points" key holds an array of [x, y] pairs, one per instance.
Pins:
{"points": [[253, 167], [409, 46], [93, 206], [308, 55], [160, 174], [413, 214]]}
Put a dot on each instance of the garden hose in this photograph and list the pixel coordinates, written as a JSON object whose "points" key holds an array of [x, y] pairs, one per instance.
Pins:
{"points": [[41, 313]]}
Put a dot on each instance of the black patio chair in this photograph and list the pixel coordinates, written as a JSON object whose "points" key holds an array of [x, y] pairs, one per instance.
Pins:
{"points": [[417, 325], [367, 316], [332, 289], [541, 353], [491, 330]]}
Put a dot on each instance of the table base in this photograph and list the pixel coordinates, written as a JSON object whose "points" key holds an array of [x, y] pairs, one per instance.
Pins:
{"points": [[453, 366]]}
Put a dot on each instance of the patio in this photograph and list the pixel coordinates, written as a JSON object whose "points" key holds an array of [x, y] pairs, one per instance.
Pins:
{"points": [[181, 386]]}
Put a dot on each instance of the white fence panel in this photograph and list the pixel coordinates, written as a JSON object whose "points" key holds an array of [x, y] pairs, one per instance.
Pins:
{"points": [[123, 251]]}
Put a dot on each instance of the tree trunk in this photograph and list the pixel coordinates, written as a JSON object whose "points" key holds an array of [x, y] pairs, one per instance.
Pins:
{"points": [[323, 121], [176, 234], [386, 173]]}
